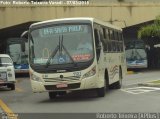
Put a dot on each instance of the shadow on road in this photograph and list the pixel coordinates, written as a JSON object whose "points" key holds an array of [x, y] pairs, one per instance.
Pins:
{"points": [[76, 96], [4, 89], [22, 75]]}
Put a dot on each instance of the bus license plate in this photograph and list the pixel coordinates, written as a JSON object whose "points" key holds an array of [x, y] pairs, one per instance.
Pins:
{"points": [[62, 85]]}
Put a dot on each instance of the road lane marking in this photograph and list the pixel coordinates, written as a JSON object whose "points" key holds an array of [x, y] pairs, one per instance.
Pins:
{"points": [[139, 90], [8, 111]]}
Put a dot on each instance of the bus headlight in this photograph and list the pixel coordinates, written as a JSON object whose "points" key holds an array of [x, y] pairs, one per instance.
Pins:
{"points": [[35, 78], [90, 73]]}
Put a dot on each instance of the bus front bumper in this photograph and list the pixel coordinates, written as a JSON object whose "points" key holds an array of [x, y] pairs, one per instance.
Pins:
{"points": [[89, 83]]}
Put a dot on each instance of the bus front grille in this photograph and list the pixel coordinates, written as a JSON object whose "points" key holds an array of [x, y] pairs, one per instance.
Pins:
{"points": [[71, 79]]}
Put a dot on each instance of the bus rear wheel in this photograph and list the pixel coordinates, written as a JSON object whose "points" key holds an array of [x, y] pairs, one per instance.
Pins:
{"points": [[52, 95], [118, 84]]}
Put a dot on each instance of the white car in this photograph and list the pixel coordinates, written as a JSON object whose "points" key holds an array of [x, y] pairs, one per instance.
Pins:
{"points": [[7, 73]]}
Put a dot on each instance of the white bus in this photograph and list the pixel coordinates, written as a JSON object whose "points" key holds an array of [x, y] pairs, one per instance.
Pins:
{"points": [[136, 55], [58, 64], [17, 49]]}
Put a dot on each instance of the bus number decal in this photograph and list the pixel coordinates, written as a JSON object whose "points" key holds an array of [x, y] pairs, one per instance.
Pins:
{"points": [[77, 74]]}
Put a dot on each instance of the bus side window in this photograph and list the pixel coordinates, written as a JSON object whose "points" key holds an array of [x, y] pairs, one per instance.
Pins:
{"points": [[97, 43], [96, 35], [109, 46], [102, 39]]}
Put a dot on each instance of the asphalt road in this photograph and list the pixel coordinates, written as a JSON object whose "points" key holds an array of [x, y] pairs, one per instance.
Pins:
{"points": [[130, 99]]}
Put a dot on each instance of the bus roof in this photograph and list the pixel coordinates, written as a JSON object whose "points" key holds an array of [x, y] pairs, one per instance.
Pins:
{"points": [[80, 18]]}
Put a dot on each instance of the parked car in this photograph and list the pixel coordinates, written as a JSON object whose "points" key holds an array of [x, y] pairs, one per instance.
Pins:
{"points": [[7, 73]]}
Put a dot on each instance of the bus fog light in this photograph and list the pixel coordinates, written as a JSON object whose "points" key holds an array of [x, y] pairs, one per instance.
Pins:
{"points": [[35, 78], [90, 73]]}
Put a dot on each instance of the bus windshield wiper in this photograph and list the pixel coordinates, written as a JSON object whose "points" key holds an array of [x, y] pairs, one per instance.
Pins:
{"points": [[62, 46], [53, 54], [59, 48]]}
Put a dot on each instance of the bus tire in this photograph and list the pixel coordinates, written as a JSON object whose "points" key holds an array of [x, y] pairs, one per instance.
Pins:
{"points": [[102, 91], [52, 95], [11, 86]]}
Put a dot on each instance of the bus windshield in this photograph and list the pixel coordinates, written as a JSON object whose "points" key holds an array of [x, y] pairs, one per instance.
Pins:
{"points": [[135, 44], [61, 44], [15, 52], [135, 50]]}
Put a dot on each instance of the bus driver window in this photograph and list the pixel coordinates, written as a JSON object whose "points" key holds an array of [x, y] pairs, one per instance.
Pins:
{"points": [[97, 43]]}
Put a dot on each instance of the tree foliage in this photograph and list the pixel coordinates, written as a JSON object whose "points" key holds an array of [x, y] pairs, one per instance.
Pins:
{"points": [[150, 30]]}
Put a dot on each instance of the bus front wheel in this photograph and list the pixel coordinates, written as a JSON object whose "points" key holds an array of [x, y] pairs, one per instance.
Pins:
{"points": [[52, 95], [102, 91], [11, 86]]}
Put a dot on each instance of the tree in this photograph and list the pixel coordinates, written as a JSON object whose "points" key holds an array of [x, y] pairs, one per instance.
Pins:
{"points": [[151, 36], [152, 30]]}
